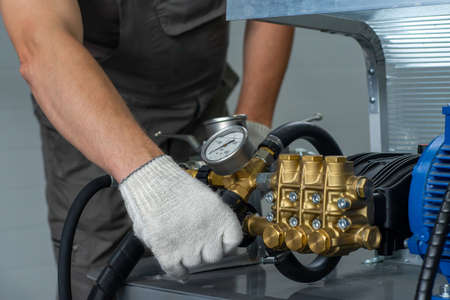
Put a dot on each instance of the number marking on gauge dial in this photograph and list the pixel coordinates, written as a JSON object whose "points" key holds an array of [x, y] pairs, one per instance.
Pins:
{"points": [[224, 145]]}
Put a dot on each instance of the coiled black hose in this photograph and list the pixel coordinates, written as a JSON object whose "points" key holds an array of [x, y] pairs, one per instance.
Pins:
{"points": [[288, 265], [125, 256], [119, 266], [68, 233], [284, 135], [430, 263], [280, 138]]}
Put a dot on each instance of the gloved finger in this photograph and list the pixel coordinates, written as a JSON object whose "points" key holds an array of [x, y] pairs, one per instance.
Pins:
{"points": [[192, 260], [232, 236], [177, 271], [212, 252]]}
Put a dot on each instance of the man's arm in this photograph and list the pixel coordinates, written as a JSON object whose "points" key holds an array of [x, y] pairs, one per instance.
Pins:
{"points": [[267, 48], [71, 88], [83, 105]]}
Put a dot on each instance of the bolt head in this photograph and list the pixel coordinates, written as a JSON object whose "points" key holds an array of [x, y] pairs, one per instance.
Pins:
{"points": [[445, 291], [270, 217], [371, 71], [343, 223], [293, 221], [343, 203], [315, 198], [372, 100], [316, 224], [269, 197], [293, 196], [405, 243]]}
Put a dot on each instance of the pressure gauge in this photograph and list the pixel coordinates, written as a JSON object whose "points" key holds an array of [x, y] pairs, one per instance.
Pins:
{"points": [[228, 150], [217, 124]]}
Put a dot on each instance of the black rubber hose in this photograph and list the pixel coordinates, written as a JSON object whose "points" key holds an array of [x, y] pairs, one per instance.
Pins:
{"points": [[288, 265], [119, 267], [289, 132], [68, 233], [431, 260]]}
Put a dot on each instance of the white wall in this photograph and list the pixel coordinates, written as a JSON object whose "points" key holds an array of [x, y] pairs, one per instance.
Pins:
{"points": [[326, 74]]}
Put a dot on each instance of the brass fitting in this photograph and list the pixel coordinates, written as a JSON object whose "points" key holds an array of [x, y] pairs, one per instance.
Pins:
{"points": [[297, 238], [192, 172], [274, 236], [369, 237], [243, 182], [255, 225], [319, 206], [319, 241]]}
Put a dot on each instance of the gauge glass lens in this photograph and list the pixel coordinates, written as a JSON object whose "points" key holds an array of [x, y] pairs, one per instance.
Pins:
{"points": [[224, 146]]}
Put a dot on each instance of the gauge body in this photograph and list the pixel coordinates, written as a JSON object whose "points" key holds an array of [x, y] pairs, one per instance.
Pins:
{"points": [[228, 150], [217, 124]]}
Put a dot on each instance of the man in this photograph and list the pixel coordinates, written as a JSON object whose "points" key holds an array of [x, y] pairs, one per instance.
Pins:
{"points": [[107, 74]]}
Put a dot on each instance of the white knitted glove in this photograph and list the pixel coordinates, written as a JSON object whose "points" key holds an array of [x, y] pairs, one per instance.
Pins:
{"points": [[180, 219], [257, 132]]}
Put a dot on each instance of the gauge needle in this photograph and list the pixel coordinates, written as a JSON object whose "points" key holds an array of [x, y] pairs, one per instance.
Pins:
{"points": [[224, 145]]}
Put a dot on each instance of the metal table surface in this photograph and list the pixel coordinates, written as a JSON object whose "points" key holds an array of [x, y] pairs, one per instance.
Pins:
{"points": [[388, 280], [406, 45]]}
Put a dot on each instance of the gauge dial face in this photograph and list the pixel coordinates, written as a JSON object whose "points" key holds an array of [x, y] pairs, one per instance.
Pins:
{"points": [[224, 145]]}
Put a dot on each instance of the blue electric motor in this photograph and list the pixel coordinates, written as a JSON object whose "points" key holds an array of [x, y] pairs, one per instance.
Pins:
{"points": [[430, 179]]}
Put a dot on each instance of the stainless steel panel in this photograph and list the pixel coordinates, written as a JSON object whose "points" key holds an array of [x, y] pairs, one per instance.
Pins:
{"points": [[252, 9], [408, 50], [353, 280], [418, 77]]}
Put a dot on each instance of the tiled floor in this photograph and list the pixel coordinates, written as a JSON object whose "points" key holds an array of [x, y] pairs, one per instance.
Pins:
{"points": [[27, 269]]}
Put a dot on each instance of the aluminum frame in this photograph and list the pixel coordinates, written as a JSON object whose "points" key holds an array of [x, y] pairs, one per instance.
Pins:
{"points": [[407, 53]]}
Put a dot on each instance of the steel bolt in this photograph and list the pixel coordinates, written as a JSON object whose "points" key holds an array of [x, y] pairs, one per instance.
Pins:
{"points": [[343, 223], [372, 100], [371, 71], [316, 224], [445, 291], [373, 260], [270, 217], [343, 203], [405, 243], [269, 197], [315, 198], [293, 221], [293, 196]]}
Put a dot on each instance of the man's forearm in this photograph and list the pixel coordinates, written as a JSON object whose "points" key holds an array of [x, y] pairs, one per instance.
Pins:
{"points": [[83, 105], [267, 48]]}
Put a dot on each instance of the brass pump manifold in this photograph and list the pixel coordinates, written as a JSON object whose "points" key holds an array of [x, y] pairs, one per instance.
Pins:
{"points": [[318, 206]]}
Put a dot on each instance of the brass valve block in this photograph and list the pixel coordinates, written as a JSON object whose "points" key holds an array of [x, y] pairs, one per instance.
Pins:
{"points": [[319, 206]]}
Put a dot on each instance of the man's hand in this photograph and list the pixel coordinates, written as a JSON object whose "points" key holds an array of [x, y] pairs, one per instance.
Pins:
{"points": [[180, 219]]}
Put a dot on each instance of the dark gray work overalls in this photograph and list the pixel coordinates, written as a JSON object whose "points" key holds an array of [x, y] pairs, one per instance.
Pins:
{"points": [[170, 68]]}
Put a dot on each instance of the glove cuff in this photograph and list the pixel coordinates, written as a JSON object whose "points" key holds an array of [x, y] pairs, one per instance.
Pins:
{"points": [[257, 132], [146, 188]]}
